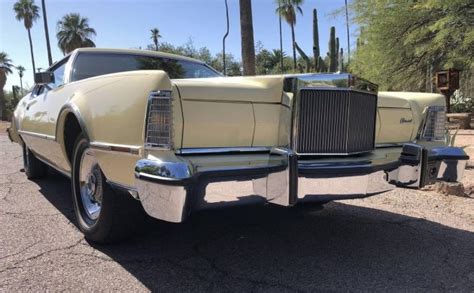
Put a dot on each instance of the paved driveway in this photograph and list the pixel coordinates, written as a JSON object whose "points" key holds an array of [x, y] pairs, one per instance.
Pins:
{"points": [[403, 240]]}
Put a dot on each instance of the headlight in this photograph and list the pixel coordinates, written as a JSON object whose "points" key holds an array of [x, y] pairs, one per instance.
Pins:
{"points": [[158, 120], [435, 124]]}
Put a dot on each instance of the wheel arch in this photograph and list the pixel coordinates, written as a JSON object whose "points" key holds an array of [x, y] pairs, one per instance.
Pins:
{"points": [[70, 124]]}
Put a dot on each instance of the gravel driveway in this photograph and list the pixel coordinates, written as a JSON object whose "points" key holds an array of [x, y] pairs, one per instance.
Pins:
{"points": [[401, 240]]}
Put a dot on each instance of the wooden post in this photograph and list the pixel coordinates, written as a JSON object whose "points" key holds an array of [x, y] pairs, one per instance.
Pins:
{"points": [[447, 82]]}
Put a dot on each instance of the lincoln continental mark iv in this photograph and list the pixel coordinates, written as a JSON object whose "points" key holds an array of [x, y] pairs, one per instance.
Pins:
{"points": [[145, 131]]}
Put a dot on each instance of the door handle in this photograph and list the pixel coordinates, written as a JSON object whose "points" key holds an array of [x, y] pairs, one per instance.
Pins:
{"points": [[30, 104], [405, 120]]}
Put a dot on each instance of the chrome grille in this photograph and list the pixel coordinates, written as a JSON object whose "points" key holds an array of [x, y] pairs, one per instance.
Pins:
{"points": [[158, 120], [335, 122]]}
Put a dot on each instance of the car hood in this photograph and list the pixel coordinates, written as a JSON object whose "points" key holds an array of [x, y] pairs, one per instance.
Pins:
{"points": [[257, 89]]}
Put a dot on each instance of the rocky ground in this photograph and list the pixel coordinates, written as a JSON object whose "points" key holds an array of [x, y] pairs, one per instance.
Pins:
{"points": [[402, 240]]}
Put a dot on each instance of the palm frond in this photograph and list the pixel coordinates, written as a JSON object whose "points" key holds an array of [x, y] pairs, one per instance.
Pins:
{"points": [[6, 62], [73, 31], [26, 11]]}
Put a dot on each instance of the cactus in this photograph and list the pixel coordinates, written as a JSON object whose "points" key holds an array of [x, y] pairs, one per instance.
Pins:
{"points": [[327, 61], [341, 61], [316, 48], [300, 68], [337, 54], [332, 50], [321, 65], [305, 57]]}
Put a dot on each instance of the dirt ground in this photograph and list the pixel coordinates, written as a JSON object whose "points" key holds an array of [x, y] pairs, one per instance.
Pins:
{"points": [[403, 240], [3, 127]]}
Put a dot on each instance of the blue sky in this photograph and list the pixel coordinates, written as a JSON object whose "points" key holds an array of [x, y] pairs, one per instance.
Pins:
{"points": [[127, 24]]}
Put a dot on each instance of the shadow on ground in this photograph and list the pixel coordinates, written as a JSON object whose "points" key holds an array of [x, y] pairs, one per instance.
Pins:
{"points": [[342, 247]]}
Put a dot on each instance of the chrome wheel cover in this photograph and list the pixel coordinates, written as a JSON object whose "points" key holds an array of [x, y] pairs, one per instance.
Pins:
{"points": [[90, 184]]}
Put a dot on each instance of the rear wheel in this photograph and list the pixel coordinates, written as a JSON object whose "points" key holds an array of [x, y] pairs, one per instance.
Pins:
{"points": [[34, 168], [103, 214]]}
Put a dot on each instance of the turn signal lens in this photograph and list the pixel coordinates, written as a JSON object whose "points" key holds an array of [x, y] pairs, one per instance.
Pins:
{"points": [[435, 124], [158, 120]]}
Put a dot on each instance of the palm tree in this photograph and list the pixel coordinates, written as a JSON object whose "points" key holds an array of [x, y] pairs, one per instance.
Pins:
{"points": [[277, 57], [155, 35], [246, 30], [5, 69], [281, 37], [287, 9], [73, 31], [20, 70], [28, 12]]}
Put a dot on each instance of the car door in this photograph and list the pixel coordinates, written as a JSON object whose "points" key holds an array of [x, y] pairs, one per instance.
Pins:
{"points": [[38, 127], [34, 119]]}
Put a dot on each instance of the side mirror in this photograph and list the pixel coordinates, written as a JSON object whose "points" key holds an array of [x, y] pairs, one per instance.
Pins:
{"points": [[44, 77]]}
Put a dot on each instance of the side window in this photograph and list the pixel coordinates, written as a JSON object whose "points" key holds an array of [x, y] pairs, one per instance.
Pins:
{"points": [[37, 90], [58, 73], [40, 90], [196, 70], [171, 66]]}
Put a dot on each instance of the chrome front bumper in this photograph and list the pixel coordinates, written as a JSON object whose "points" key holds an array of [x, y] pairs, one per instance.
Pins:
{"points": [[170, 189]]}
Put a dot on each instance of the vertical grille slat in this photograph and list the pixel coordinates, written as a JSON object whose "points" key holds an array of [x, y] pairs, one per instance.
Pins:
{"points": [[335, 121]]}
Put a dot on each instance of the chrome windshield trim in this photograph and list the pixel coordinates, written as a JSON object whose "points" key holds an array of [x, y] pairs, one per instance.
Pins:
{"points": [[220, 150], [38, 135]]}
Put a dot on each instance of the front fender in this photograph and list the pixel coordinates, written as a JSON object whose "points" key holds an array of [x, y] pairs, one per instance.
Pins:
{"points": [[112, 115], [16, 121]]}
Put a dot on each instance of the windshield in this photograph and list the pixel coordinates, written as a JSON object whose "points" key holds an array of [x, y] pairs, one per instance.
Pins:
{"points": [[89, 65]]}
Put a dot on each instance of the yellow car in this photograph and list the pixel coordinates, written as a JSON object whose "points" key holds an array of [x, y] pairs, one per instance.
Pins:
{"points": [[140, 130]]}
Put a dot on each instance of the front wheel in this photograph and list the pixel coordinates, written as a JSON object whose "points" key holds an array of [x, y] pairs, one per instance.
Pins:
{"points": [[34, 168], [103, 214]]}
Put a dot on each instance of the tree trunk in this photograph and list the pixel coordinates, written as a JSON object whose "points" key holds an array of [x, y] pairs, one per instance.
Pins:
{"points": [[246, 29], [281, 38], [32, 56], [46, 33], [21, 83], [348, 35], [294, 47], [3, 81]]}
